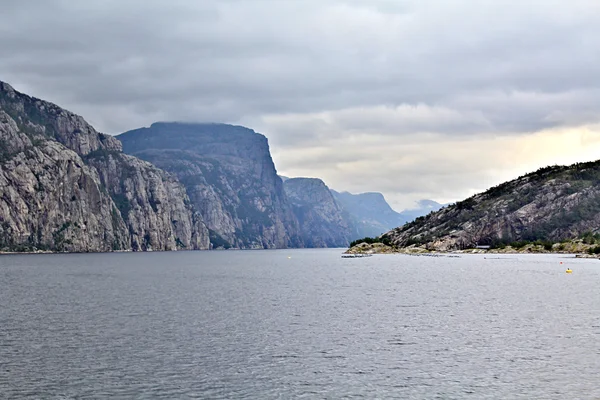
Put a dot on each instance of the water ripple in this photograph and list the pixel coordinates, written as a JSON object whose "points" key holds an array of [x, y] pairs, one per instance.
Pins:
{"points": [[259, 325]]}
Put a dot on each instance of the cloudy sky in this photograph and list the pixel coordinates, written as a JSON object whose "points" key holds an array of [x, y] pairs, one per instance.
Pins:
{"points": [[416, 99]]}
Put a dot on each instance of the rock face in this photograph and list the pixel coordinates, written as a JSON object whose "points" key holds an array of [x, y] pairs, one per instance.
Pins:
{"points": [[370, 214], [154, 205], [551, 204], [66, 187], [323, 222], [230, 178]]}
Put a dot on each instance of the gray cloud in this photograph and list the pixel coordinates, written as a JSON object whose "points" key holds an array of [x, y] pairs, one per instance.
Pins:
{"points": [[311, 74]]}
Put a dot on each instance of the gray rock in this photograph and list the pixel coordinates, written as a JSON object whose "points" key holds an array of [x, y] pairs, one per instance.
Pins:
{"points": [[51, 200], [322, 220], [66, 187], [230, 178], [551, 204]]}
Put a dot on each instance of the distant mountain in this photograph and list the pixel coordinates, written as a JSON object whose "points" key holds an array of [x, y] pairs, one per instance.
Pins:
{"points": [[424, 208], [370, 214], [229, 176], [552, 204], [323, 222]]}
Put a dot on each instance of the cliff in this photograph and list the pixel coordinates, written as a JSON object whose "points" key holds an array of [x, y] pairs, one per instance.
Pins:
{"points": [[66, 187], [323, 222], [230, 178], [552, 204]]}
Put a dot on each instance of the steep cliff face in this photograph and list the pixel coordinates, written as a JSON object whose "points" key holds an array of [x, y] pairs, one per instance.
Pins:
{"points": [[61, 187], [50, 200], [553, 203], [154, 205], [323, 222], [230, 178]]}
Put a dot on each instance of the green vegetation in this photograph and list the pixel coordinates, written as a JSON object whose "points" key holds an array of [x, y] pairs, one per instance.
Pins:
{"points": [[217, 240], [59, 236], [30, 111], [101, 155], [594, 250], [369, 240], [535, 190], [122, 203], [546, 244], [590, 238]]}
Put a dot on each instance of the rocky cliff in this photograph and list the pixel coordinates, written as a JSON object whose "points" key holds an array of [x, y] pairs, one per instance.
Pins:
{"points": [[552, 204], [323, 222], [66, 187], [230, 178]]}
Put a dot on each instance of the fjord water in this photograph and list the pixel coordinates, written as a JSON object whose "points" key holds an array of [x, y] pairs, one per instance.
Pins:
{"points": [[259, 324]]}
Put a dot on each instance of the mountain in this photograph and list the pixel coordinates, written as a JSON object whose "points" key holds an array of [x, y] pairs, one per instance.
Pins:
{"points": [[230, 178], [552, 204], [66, 187], [424, 207], [323, 222], [370, 214]]}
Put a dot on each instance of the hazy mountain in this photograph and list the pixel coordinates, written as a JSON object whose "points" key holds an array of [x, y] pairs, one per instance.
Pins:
{"points": [[370, 214], [424, 207], [323, 222]]}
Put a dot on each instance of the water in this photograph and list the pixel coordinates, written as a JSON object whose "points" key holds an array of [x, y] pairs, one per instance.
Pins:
{"points": [[257, 324]]}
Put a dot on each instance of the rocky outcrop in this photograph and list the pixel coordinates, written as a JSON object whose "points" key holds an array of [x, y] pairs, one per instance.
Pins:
{"points": [[66, 187], [551, 204], [154, 205], [323, 222], [51, 200], [230, 178], [35, 116]]}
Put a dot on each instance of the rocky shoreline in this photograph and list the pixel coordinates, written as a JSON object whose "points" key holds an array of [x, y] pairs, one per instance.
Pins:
{"points": [[575, 247]]}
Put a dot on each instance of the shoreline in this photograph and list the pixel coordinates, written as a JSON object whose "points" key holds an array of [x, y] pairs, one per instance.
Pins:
{"points": [[575, 249], [456, 254]]}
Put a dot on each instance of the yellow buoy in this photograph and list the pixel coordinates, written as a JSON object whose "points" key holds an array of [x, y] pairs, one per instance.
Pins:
{"points": [[569, 271]]}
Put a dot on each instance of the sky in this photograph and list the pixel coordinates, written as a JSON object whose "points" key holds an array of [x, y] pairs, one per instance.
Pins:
{"points": [[417, 99]]}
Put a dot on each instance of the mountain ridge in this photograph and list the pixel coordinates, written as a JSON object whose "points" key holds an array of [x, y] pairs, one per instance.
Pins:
{"points": [[551, 204]]}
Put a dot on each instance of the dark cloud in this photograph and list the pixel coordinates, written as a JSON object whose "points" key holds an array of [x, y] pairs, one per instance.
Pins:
{"points": [[310, 71]]}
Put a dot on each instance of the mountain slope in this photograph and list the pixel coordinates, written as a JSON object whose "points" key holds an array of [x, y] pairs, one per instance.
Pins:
{"points": [[371, 215], [230, 178], [61, 187], [553, 203], [323, 222]]}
